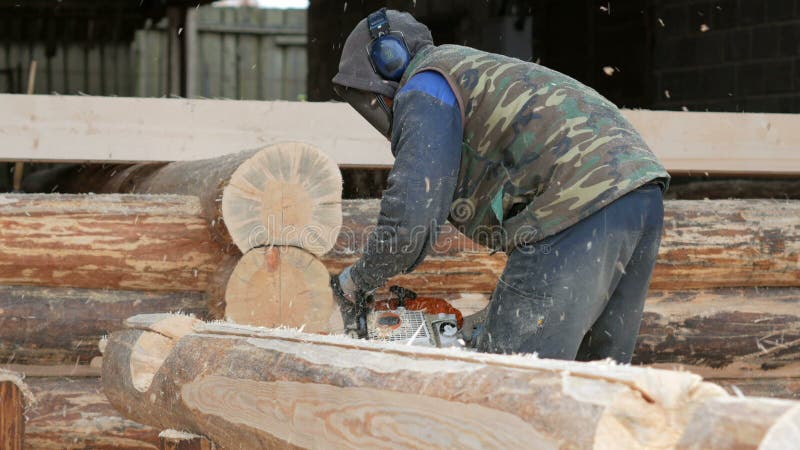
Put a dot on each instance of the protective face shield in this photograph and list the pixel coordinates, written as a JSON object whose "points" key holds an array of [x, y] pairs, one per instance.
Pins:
{"points": [[371, 106]]}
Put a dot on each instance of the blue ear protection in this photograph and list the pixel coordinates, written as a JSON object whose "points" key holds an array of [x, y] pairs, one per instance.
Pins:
{"points": [[387, 51]]}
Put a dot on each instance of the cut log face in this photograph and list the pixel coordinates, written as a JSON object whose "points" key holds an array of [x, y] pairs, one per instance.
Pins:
{"points": [[287, 194], [282, 286]]}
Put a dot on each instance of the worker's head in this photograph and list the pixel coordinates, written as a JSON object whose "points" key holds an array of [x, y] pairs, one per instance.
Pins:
{"points": [[374, 57]]}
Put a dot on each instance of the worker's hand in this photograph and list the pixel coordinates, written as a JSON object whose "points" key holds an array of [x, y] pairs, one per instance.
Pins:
{"points": [[353, 304]]}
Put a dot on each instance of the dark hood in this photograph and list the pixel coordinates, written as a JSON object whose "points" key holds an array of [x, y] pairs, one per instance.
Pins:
{"points": [[355, 71]]}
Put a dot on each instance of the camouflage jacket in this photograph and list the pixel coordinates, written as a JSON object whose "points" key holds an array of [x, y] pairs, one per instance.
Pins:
{"points": [[540, 151]]}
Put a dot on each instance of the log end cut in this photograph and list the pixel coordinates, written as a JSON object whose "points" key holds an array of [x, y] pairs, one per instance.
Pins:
{"points": [[282, 286], [286, 194]]}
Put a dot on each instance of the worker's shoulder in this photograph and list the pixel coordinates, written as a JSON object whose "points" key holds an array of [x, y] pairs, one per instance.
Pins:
{"points": [[432, 83]]}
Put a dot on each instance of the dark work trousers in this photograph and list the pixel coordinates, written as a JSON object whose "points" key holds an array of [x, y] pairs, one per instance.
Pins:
{"points": [[579, 294]]}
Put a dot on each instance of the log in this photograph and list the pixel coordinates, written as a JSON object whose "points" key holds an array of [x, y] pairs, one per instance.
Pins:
{"points": [[14, 398], [63, 325], [742, 423], [283, 194], [725, 243], [782, 387], [125, 242], [693, 189], [723, 330], [255, 388], [75, 414], [736, 333], [282, 286]]}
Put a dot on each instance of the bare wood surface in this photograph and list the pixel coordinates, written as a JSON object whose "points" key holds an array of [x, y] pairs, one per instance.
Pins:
{"points": [[74, 414], [14, 397], [236, 383], [61, 370], [132, 242], [62, 326], [287, 194], [152, 129], [725, 243], [282, 286], [12, 416]]}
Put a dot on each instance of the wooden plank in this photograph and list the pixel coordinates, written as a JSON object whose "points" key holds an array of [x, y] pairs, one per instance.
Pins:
{"points": [[247, 50], [12, 416], [271, 57], [228, 59], [127, 129]]}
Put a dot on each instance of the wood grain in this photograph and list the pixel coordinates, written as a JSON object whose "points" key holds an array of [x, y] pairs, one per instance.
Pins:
{"points": [[724, 243], [158, 129], [53, 326], [74, 414], [127, 242], [286, 194], [249, 387], [282, 286], [12, 416]]}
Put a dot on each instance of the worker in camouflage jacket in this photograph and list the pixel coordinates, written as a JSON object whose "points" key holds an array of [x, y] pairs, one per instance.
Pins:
{"points": [[521, 159]]}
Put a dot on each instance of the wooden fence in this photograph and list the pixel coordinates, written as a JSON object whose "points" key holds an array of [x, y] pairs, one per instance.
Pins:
{"points": [[239, 53]]}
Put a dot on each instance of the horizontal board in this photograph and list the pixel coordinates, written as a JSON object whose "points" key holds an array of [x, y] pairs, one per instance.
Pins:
{"points": [[50, 128]]}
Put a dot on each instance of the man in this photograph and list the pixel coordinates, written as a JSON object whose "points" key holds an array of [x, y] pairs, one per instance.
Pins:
{"points": [[523, 159]]}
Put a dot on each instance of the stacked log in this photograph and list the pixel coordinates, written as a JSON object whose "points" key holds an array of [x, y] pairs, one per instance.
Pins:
{"points": [[140, 253], [73, 413], [235, 385]]}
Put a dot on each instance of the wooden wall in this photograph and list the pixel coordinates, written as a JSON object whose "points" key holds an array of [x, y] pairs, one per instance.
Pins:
{"points": [[240, 53]]}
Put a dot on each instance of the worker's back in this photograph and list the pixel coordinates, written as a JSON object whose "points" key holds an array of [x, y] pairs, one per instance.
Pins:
{"points": [[541, 150]]}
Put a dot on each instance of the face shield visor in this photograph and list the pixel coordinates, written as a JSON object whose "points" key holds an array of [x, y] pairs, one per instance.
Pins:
{"points": [[371, 106]]}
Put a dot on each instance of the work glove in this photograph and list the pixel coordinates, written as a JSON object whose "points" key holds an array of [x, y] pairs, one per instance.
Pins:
{"points": [[353, 304]]}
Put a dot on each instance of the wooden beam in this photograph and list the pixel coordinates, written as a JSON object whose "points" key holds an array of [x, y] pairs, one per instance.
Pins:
{"points": [[73, 413], [62, 326], [134, 242], [235, 385], [103, 129]]}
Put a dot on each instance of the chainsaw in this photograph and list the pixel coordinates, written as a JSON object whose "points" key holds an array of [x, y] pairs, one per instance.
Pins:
{"points": [[410, 319]]}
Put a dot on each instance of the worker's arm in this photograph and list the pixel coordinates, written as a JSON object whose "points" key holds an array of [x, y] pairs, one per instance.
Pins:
{"points": [[426, 142]]}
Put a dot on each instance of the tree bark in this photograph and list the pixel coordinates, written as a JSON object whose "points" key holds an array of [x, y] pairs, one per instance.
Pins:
{"points": [[782, 387], [63, 326], [282, 286], [133, 242], [726, 243], [724, 330], [254, 388], [75, 414]]}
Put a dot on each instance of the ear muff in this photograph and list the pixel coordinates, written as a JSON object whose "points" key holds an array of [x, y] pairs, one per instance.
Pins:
{"points": [[387, 52]]}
